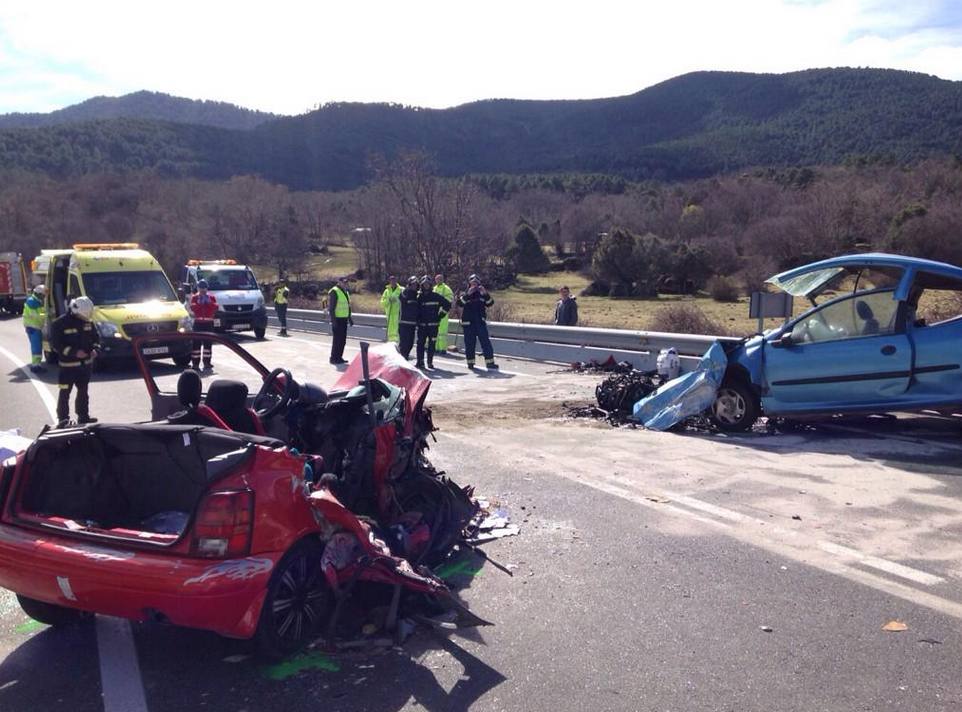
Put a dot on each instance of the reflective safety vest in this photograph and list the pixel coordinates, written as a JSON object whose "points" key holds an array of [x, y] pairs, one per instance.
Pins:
{"points": [[280, 295], [342, 305], [33, 315]]}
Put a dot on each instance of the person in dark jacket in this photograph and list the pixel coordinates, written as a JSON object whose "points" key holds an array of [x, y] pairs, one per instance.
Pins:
{"points": [[75, 339], [431, 307], [566, 310], [408, 322], [339, 306], [474, 305]]}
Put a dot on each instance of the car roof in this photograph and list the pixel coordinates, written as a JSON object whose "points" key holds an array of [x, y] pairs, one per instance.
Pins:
{"points": [[871, 259], [867, 259]]}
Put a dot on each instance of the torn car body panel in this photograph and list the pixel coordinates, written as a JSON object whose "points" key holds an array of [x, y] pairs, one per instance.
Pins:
{"points": [[685, 396]]}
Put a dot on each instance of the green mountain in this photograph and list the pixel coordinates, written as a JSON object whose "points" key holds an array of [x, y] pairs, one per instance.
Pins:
{"points": [[144, 105], [691, 126]]}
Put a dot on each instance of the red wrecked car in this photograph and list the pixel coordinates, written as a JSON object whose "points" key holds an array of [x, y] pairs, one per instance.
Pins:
{"points": [[250, 516]]}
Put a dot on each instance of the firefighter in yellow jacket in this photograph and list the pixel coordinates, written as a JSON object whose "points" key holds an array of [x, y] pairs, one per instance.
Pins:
{"points": [[441, 343], [391, 304]]}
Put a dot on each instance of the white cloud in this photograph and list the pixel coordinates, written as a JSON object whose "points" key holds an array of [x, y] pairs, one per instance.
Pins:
{"points": [[288, 56]]}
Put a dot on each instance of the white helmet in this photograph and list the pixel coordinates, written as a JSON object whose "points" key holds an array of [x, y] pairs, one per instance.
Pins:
{"points": [[40, 290], [82, 307]]}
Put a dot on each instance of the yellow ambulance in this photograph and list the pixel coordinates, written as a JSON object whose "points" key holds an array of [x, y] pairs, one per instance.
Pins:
{"points": [[130, 291]]}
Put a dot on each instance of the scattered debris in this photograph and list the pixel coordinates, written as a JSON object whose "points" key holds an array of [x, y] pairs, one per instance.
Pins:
{"points": [[930, 641], [236, 658], [797, 517], [595, 366], [300, 663], [767, 628], [895, 627]]}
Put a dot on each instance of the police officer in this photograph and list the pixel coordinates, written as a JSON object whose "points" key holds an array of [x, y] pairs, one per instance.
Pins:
{"points": [[76, 341], [474, 304], [431, 306], [33, 316], [391, 304], [441, 343], [408, 321], [339, 307], [281, 293], [204, 308]]}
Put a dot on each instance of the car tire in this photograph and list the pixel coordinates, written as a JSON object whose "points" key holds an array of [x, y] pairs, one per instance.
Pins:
{"points": [[49, 613], [259, 333], [736, 407], [181, 360], [298, 604]]}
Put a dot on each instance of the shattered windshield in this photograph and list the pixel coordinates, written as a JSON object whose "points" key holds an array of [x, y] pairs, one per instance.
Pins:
{"points": [[804, 284]]}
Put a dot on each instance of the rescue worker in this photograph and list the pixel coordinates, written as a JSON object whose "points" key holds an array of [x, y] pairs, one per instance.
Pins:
{"points": [[474, 304], [391, 304], [339, 307], [431, 306], [408, 321], [76, 341], [566, 309], [441, 343], [281, 293], [204, 307], [33, 316]]}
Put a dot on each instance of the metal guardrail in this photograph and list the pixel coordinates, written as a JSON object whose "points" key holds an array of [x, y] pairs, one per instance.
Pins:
{"points": [[561, 344]]}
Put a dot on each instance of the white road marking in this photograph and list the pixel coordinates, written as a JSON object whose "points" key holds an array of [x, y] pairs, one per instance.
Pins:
{"points": [[890, 567], [39, 385], [120, 681]]}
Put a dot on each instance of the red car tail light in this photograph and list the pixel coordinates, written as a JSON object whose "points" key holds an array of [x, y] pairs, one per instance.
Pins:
{"points": [[224, 525]]}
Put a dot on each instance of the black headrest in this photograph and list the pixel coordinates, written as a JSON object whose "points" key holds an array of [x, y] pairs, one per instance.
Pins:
{"points": [[864, 310], [225, 396], [189, 389]]}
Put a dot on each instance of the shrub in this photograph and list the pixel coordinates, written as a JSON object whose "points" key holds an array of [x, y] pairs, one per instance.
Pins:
{"points": [[526, 254], [685, 319], [723, 289]]}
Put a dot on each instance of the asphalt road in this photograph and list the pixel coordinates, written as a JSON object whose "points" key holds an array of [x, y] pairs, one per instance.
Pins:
{"points": [[654, 571]]}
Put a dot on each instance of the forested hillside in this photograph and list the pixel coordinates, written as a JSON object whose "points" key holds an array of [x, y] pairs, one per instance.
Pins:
{"points": [[693, 126], [144, 105]]}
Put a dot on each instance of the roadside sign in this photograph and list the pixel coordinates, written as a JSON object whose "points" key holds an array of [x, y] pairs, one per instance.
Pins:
{"points": [[766, 305]]}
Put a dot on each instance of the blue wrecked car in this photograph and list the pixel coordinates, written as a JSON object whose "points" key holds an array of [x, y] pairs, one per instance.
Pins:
{"points": [[865, 345]]}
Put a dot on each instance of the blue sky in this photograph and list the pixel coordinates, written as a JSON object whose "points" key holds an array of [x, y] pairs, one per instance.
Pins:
{"points": [[288, 57]]}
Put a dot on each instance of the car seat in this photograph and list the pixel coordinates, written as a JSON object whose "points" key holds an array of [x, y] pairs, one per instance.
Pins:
{"points": [[228, 399], [189, 392], [865, 313]]}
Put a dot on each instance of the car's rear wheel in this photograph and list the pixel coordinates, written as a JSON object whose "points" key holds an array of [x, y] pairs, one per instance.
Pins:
{"points": [[735, 408], [259, 333], [49, 613], [298, 604]]}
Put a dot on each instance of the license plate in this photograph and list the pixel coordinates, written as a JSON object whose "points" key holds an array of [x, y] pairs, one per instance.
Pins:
{"points": [[216, 322], [242, 327], [154, 350]]}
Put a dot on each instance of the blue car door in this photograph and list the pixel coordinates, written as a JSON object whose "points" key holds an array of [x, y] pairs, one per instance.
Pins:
{"points": [[848, 354]]}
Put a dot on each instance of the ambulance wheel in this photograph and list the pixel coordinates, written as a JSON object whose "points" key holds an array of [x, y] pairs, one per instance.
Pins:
{"points": [[50, 357], [259, 333], [48, 613]]}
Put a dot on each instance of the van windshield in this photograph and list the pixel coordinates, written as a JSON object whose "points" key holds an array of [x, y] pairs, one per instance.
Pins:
{"points": [[219, 279], [128, 287]]}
